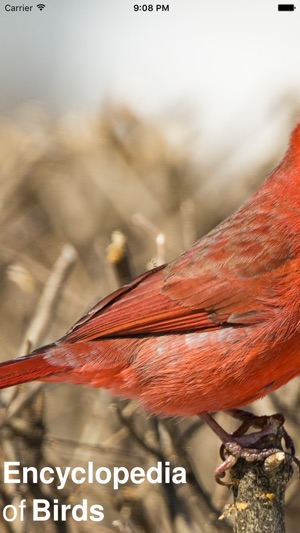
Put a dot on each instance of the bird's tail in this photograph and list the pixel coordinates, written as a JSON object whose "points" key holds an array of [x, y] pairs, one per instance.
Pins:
{"points": [[79, 363], [32, 367]]}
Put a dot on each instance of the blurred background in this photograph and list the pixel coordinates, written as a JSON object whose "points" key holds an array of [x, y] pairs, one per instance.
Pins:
{"points": [[127, 134]]}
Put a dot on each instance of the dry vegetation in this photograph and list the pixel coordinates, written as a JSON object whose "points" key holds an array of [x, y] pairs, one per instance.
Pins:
{"points": [[74, 183]]}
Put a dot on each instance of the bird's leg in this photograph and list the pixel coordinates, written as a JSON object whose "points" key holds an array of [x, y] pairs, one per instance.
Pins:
{"points": [[250, 420], [238, 445]]}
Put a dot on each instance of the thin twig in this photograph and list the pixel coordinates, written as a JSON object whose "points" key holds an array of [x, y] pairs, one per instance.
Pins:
{"points": [[127, 423], [41, 318], [117, 255], [49, 297]]}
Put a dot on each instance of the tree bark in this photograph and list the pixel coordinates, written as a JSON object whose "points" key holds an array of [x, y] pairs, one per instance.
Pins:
{"points": [[259, 492]]}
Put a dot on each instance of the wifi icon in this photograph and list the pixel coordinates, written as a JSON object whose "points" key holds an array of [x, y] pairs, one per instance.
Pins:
{"points": [[41, 6]]}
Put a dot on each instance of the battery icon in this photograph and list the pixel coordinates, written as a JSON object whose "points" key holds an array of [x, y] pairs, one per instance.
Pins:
{"points": [[286, 7]]}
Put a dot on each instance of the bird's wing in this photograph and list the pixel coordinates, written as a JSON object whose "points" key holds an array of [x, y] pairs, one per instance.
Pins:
{"points": [[229, 278], [156, 304]]}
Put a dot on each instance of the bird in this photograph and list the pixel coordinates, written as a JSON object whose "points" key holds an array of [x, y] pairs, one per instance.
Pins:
{"points": [[213, 330]]}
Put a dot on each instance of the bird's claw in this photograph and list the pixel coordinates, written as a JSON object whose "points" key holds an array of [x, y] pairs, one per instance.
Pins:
{"points": [[242, 446]]}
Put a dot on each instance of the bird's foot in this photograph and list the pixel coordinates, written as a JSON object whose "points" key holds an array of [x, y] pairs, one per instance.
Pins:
{"points": [[250, 446]]}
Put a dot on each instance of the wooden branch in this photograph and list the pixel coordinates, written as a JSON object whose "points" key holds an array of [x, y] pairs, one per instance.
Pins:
{"points": [[259, 489]]}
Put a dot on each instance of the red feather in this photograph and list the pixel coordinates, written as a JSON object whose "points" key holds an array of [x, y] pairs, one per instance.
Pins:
{"points": [[214, 329]]}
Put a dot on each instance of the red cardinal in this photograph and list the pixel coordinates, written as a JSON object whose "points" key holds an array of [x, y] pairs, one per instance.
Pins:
{"points": [[215, 329]]}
